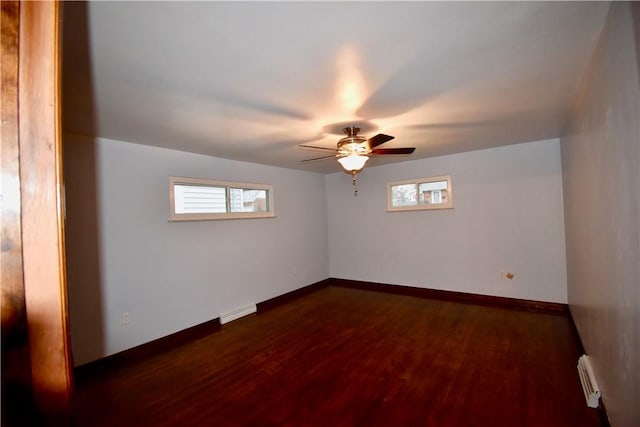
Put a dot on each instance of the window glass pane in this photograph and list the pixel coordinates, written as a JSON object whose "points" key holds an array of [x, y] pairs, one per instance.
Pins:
{"points": [[195, 199], [435, 185], [199, 199], [433, 192], [248, 200], [403, 195]]}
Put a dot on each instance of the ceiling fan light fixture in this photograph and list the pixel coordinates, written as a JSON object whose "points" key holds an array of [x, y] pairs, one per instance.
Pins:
{"points": [[353, 162]]}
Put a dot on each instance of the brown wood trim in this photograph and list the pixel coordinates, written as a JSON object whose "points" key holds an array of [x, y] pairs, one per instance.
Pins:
{"points": [[41, 205], [290, 296], [17, 398], [575, 331], [602, 414], [146, 350], [14, 320], [149, 349], [467, 298]]}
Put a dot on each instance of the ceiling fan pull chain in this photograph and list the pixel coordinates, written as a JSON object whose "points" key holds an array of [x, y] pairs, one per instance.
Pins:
{"points": [[355, 187]]}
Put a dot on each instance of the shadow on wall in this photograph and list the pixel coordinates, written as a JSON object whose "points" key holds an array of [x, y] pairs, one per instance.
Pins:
{"points": [[81, 188]]}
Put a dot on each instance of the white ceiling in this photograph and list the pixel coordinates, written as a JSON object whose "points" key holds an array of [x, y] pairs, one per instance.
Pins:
{"points": [[251, 81]]}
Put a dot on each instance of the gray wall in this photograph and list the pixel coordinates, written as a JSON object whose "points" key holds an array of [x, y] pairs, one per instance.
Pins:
{"points": [[507, 216], [600, 158], [125, 256]]}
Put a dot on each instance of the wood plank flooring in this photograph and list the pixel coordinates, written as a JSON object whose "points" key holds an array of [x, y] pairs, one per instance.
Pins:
{"points": [[348, 357]]}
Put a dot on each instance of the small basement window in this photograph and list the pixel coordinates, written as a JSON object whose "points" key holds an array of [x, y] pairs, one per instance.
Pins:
{"points": [[194, 199], [420, 194]]}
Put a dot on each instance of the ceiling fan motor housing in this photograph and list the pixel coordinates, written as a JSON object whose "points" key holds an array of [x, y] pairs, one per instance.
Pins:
{"points": [[352, 143]]}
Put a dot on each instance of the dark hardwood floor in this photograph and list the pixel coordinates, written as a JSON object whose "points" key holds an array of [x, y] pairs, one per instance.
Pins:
{"points": [[348, 357]]}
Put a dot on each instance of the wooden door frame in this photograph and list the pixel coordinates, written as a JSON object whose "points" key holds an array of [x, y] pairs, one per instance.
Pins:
{"points": [[40, 222]]}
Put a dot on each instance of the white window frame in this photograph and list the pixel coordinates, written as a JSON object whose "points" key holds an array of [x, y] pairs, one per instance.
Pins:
{"points": [[176, 180], [420, 206]]}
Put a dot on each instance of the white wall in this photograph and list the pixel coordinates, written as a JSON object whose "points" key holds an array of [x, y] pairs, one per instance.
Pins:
{"points": [[600, 159], [125, 256], [508, 216]]}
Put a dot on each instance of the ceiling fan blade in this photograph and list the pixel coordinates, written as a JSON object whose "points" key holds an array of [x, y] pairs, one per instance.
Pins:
{"points": [[406, 150], [315, 147], [316, 158], [379, 139]]}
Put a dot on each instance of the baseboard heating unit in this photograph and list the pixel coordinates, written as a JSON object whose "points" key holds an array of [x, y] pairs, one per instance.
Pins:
{"points": [[589, 383], [237, 313]]}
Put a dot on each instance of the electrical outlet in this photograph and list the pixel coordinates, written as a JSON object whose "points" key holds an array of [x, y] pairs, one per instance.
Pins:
{"points": [[506, 275], [125, 318], [503, 274]]}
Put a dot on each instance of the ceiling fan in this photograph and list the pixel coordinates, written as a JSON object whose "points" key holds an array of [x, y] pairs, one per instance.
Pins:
{"points": [[353, 150]]}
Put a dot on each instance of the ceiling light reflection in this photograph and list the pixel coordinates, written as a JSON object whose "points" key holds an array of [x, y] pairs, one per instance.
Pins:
{"points": [[351, 85]]}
